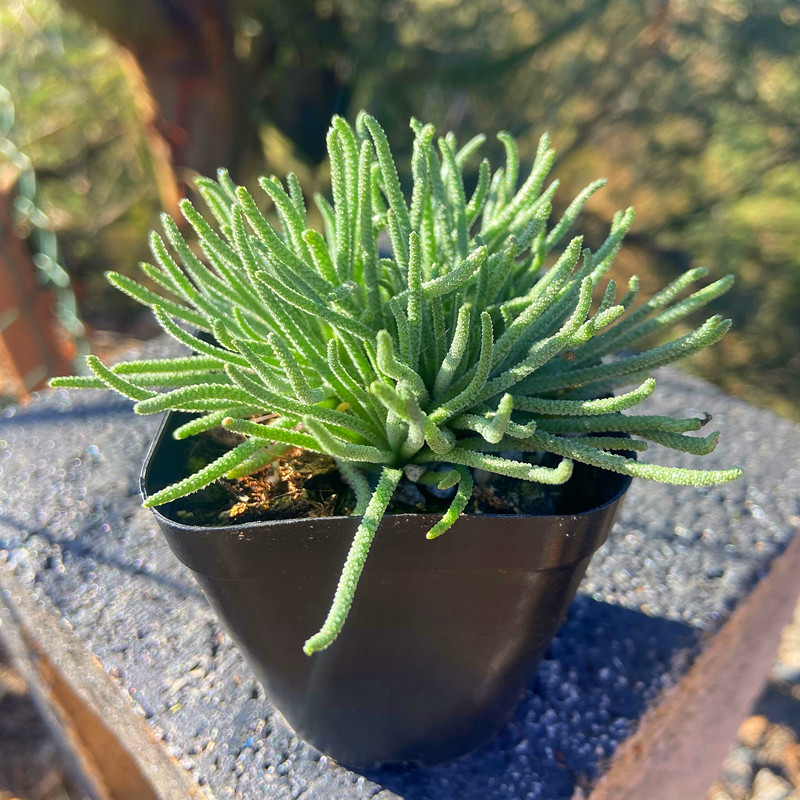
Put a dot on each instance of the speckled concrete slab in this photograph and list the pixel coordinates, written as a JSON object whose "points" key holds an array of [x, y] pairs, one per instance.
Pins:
{"points": [[679, 560]]}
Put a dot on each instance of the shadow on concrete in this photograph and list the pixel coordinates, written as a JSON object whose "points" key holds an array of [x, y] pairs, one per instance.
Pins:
{"points": [[86, 548], [617, 659], [36, 415], [780, 706], [12, 522], [80, 549]]}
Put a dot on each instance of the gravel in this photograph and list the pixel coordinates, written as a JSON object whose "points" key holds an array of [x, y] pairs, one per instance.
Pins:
{"points": [[764, 764], [71, 528]]}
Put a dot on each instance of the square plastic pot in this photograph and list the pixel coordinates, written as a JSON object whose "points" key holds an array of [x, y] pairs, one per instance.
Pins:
{"points": [[443, 636]]}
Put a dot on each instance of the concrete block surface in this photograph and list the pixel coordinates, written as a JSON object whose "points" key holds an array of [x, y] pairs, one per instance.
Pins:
{"points": [[75, 543]]}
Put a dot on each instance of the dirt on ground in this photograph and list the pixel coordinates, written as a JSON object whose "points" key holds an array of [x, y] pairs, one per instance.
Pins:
{"points": [[764, 763], [30, 765]]}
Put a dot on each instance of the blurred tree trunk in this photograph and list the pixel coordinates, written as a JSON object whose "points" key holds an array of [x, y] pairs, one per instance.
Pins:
{"points": [[184, 51]]}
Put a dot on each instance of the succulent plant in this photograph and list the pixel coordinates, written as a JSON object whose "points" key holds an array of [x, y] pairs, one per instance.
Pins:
{"points": [[423, 337]]}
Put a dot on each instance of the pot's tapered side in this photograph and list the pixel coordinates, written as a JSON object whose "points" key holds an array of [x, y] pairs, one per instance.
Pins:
{"points": [[443, 636]]}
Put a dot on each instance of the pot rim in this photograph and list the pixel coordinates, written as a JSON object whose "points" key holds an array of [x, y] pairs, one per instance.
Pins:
{"points": [[625, 482]]}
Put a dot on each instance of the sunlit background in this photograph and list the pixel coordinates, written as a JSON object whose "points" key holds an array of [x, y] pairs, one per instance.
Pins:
{"points": [[690, 109]]}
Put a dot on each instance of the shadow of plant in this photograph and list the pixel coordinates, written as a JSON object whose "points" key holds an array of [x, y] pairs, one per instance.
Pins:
{"points": [[601, 673]]}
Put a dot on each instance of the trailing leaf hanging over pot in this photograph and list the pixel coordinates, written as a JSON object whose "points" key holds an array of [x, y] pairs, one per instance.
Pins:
{"points": [[468, 346]]}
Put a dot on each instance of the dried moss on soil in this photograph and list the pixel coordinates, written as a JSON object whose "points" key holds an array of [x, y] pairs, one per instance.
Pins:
{"points": [[302, 484]]}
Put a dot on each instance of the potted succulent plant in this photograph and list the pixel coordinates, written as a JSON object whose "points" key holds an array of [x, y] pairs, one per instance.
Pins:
{"points": [[423, 368]]}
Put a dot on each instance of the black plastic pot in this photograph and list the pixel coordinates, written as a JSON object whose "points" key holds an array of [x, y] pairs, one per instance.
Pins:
{"points": [[443, 637]]}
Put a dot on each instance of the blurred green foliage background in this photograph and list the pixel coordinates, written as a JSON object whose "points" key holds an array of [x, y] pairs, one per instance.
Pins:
{"points": [[691, 109]]}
